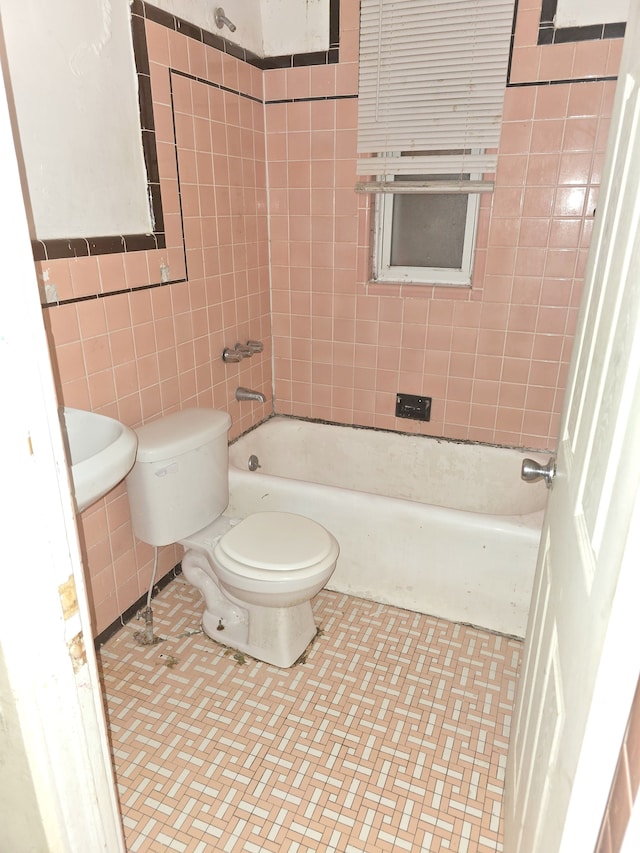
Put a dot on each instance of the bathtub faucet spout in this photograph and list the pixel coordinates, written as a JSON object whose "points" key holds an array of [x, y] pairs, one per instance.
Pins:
{"points": [[246, 394]]}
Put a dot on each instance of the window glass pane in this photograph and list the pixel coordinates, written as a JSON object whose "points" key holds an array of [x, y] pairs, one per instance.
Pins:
{"points": [[428, 230]]}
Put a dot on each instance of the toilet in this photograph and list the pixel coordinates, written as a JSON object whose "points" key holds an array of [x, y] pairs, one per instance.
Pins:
{"points": [[258, 574]]}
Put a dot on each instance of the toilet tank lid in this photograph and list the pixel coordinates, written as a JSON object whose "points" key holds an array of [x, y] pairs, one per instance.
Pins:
{"points": [[179, 433]]}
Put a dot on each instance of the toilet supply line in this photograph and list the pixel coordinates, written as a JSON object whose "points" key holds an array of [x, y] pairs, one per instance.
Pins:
{"points": [[146, 637]]}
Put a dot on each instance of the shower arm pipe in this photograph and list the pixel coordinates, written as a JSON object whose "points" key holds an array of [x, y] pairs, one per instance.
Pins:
{"points": [[221, 20]]}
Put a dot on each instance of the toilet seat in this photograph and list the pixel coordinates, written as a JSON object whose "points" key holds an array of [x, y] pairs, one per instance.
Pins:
{"points": [[275, 546], [276, 541], [272, 547]]}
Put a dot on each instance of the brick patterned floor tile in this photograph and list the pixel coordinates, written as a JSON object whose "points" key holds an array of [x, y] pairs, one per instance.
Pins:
{"points": [[391, 735]]}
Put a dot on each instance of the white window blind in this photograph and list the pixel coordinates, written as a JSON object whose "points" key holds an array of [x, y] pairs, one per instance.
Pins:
{"points": [[432, 81]]}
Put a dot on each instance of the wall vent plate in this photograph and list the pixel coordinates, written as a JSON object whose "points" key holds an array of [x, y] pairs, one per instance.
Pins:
{"points": [[414, 407]]}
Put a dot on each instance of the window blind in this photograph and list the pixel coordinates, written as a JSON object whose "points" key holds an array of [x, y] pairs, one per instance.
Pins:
{"points": [[432, 81]]}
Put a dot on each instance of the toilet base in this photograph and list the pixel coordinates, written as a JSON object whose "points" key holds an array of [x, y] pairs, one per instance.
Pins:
{"points": [[275, 635]]}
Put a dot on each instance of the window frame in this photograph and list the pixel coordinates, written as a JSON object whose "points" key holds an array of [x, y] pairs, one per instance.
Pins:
{"points": [[385, 272]]}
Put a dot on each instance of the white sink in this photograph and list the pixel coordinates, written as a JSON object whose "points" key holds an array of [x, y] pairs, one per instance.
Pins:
{"points": [[102, 452]]}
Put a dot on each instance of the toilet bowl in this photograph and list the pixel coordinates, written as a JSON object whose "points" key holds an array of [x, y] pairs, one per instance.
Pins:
{"points": [[258, 574]]}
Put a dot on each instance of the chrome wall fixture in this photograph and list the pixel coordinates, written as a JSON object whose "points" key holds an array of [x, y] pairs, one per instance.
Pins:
{"points": [[221, 20], [241, 351], [248, 394]]}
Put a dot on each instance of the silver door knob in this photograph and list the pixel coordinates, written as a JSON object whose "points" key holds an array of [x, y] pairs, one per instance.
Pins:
{"points": [[532, 471]]}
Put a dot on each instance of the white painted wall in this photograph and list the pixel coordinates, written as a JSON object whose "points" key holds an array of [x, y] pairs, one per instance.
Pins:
{"points": [[294, 26], [581, 13], [20, 815], [73, 84]]}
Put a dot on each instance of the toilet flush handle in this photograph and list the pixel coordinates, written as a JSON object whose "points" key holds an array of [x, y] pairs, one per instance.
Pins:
{"points": [[168, 469]]}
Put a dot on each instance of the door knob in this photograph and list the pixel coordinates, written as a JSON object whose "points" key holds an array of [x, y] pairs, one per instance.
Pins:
{"points": [[532, 471]]}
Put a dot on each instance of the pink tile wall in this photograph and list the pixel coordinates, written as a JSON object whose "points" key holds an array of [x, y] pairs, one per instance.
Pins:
{"points": [[494, 358], [138, 355]]}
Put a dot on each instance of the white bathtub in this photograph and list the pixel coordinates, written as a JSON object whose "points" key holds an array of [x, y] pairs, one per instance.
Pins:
{"points": [[440, 527]]}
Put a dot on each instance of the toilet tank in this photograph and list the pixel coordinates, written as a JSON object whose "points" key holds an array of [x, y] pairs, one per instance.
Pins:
{"points": [[180, 480]]}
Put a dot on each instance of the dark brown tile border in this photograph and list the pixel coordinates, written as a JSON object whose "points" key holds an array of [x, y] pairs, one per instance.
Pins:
{"points": [[311, 99], [529, 84], [548, 33], [216, 85]]}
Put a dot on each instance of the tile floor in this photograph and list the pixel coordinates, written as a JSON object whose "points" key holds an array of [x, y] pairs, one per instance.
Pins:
{"points": [[391, 736]]}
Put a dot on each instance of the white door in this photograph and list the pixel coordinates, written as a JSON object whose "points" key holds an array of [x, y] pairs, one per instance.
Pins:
{"points": [[582, 654], [57, 786]]}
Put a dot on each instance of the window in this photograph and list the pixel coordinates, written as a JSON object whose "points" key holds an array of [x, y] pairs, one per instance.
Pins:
{"points": [[426, 238], [432, 81]]}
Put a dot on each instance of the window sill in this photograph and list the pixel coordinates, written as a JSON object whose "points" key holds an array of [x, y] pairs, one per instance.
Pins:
{"points": [[411, 284], [422, 290]]}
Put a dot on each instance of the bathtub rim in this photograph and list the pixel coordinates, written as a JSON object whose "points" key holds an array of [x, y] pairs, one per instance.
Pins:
{"points": [[517, 519], [531, 521], [411, 434]]}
